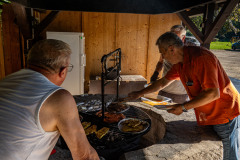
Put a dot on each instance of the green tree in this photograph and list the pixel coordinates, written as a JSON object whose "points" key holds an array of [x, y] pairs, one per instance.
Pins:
{"points": [[230, 28]]}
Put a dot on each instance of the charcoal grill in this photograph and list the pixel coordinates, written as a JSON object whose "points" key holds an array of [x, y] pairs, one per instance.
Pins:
{"points": [[123, 142], [108, 147]]}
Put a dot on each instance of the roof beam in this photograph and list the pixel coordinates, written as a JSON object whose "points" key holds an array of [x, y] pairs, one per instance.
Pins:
{"points": [[220, 20], [22, 20], [195, 11], [191, 26], [44, 23], [207, 21]]}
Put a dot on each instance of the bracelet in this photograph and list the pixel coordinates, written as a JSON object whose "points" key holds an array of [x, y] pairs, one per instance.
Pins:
{"points": [[183, 108]]}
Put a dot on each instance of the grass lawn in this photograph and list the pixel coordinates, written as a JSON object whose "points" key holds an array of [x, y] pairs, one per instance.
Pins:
{"points": [[220, 45]]}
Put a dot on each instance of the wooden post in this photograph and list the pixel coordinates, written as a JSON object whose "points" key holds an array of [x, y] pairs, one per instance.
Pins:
{"points": [[11, 41], [2, 68]]}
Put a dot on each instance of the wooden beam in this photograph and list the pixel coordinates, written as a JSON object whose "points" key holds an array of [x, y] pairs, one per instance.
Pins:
{"points": [[208, 17], [11, 45], [191, 26], [207, 21], [220, 20], [44, 23], [2, 68], [22, 20], [195, 11]]}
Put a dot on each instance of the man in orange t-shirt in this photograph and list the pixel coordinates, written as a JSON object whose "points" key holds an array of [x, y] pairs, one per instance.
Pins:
{"points": [[212, 95]]}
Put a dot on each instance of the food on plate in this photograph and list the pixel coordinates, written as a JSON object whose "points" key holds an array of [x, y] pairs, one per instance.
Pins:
{"points": [[153, 99], [126, 128], [133, 125], [155, 103], [86, 124], [102, 132], [91, 129], [117, 107], [111, 117]]}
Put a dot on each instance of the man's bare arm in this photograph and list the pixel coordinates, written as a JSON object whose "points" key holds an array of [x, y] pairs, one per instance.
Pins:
{"points": [[159, 65], [156, 86], [64, 116], [205, 97]]}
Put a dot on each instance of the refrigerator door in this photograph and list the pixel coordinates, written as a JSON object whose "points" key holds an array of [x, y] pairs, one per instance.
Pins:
{"points": [[74, 81]]}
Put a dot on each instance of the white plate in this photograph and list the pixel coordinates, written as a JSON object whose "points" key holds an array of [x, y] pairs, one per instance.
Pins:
{"points": [[151, 97], [163, 100], [162, 107]]}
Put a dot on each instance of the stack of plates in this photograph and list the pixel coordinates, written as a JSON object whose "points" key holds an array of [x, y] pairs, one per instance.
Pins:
{"points": [[157, 101]]}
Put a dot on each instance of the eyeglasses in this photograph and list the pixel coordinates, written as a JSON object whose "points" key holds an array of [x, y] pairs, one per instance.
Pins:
{"points": [[70, 67]]}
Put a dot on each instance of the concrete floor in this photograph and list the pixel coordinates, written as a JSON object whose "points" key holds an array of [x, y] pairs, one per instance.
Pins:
{"points": [[230, 61]]}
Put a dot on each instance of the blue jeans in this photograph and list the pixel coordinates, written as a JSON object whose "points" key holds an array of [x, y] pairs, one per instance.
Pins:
{"points": [[230, 136]]}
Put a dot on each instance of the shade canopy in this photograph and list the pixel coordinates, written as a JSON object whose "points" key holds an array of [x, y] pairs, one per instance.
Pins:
{"points": [[115, 6]]}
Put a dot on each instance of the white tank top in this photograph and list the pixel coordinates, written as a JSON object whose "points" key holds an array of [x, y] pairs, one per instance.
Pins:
{"points": [[21, 134], [175, 87]]}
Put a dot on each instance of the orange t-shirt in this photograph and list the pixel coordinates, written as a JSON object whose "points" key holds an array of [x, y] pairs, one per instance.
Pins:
{"points": [[201, 70]]}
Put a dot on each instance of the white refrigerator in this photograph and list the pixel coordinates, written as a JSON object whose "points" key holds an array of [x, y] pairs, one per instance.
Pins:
{"points": [[74, 81]]}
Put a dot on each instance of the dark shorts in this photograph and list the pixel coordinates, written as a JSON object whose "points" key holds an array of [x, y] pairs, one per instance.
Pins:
{"points": [[176, 98]]}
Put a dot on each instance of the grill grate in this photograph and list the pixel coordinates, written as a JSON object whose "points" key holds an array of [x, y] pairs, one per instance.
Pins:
{"points": [[134, 112], [120, 138], [114, 143]]}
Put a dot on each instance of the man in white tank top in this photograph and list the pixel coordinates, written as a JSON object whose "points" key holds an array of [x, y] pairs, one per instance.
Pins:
{"points": [[175, 90], [34, 110]]}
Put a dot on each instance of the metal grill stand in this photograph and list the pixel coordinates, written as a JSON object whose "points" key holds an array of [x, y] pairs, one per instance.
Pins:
{"points": [[109, 74]]}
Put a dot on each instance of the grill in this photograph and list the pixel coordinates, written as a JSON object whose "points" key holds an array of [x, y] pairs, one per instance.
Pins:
{"points": [[115, 142]]}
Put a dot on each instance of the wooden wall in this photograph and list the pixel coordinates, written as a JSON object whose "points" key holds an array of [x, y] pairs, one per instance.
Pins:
{"points": [[135, 34]]}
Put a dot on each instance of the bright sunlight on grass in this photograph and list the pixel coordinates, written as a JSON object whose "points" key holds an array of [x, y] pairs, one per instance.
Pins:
{"points": [[220, 45]]}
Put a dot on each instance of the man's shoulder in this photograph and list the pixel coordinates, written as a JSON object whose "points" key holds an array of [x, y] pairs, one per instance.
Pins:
{"points": [[196, 51], [60, 96], [59, 100]]}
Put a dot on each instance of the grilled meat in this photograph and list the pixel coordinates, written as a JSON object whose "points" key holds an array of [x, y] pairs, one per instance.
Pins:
{"points": [[111, 117], [116, 107]]}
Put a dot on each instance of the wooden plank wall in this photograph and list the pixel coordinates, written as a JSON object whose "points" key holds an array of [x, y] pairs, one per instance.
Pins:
{"points": [[99, 30], [132, 38], [135, 34], [64, 22], [159, 24]]}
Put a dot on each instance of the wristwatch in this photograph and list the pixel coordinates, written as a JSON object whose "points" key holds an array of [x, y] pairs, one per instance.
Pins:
{"points": [[183, 108]]}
